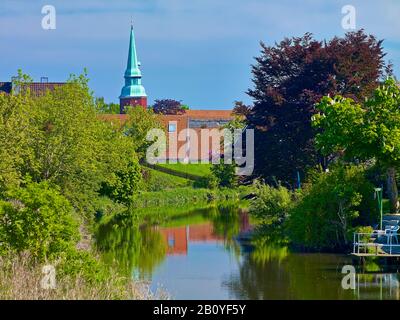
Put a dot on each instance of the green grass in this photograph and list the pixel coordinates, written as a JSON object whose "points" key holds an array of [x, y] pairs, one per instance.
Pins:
{"points": [[182, 196], [158, 181], [200, 170]]}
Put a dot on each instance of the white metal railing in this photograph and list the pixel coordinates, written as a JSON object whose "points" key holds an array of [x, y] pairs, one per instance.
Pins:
{"points": [[364, 241]]}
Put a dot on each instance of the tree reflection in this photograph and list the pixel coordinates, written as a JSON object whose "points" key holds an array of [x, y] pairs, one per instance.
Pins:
{"points": [[258, 274], [130, 247], [271, 272]]}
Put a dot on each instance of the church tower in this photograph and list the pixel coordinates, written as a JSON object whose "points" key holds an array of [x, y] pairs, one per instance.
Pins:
{"points": [[133, 93]]}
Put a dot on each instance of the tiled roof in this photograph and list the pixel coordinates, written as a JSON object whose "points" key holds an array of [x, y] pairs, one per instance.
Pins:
{"points": [[36, 88], [208, 114], [193, 114]]}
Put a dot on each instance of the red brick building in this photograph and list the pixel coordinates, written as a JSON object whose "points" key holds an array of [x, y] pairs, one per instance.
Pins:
{"points": [[185, 130]]}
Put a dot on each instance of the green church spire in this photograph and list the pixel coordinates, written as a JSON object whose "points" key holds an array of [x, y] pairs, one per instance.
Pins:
{"points": [[133, 77], [132, 67]]}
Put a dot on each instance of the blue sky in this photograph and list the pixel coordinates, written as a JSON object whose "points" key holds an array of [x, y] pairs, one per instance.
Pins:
{"points": [[197, 51]]}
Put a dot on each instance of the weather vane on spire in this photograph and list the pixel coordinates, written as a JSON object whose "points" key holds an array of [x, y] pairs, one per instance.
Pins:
{"points": [[131, 21]]}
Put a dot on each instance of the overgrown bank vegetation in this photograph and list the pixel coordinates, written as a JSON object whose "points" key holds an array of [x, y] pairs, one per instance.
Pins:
{"points": [[60, 165], [327, 122], [334, 203], [322, 145], [64, 168]]}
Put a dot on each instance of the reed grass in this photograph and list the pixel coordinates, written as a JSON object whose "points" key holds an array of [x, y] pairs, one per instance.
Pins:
{"points": [[21, 280]]}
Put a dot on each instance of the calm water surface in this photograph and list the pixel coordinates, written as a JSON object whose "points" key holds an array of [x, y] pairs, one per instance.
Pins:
{"points": [[197, 256]]}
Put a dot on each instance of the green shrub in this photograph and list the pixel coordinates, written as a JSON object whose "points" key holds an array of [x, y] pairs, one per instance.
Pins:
{"points": [[105, 207], [225, 174], [331, 205], [207, 182], [123, 183], [37, 219], [271, 204]]}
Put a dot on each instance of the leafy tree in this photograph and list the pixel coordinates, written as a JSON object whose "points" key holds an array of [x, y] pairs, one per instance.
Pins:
{"points": [[71, 146], [169, 106], [15, 132], [364, 131], [58, 137], [124, 183], [289, 78], [331, 206], [271, 204], [38, 219], [140, 122], [108, 108], [240, 109], [225, 174]]}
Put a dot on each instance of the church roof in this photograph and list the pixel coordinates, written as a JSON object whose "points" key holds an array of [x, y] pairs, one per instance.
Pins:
{"points": [[133, 77], [132, 66]]}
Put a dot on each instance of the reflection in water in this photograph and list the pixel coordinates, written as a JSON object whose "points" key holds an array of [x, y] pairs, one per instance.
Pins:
{"points": [[197, 256], [294, 276], [140, 249], [386, 284], [130, 247], [222, 225]]}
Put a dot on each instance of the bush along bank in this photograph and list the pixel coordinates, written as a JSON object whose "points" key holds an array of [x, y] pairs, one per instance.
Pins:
{"points": [[320, 217]]}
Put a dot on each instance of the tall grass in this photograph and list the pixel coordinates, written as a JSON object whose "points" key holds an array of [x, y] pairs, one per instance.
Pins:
{"points": [[21, 280]]}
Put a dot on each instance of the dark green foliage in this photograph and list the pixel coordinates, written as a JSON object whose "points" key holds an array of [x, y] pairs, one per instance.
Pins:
{"points": [[289, 78], [107, 108], [331, 205], [55, 155], [209, 181]]}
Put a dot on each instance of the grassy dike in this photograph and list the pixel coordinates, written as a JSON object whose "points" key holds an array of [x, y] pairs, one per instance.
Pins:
{"points": [[182, 196], [166, 196]]}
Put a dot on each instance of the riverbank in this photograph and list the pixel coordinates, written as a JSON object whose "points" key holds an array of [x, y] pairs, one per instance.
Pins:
{"points": [[195, 255], [21, 280], [182, 196]]}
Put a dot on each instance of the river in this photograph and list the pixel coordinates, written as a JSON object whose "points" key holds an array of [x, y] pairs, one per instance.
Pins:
{"points": [[196, 255]]}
